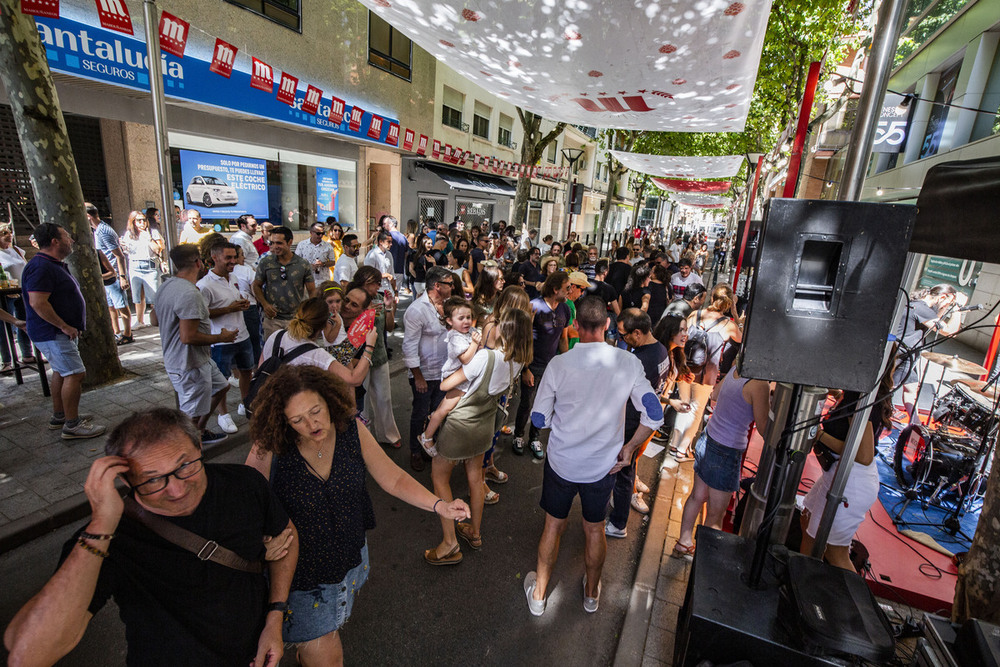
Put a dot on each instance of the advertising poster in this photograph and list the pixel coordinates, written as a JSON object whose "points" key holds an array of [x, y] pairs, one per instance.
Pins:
{"points": [[327, 188], [223, 186]]}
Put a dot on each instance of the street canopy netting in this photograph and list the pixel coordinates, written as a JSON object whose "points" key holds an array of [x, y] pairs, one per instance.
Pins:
{"points": [[701, 201], [703, 187], [656, 65], [668, 166]]}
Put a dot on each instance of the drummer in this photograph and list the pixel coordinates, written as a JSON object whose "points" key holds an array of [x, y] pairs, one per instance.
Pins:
{"points": [[930, 309]]}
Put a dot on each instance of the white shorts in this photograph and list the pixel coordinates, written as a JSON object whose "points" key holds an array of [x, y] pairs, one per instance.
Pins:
{"points": [[860, 493]]}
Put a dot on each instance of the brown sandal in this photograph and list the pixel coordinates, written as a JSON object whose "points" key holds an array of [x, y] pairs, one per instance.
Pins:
{"points": [[453, 557], [464, 531], [681, 551]]}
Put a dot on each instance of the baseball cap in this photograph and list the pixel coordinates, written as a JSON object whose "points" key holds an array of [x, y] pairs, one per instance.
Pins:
{"points": [[579, 278]]}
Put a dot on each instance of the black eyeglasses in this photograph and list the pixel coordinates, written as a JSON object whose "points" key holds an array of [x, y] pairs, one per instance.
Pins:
{"points": [[283, 271], [157, 484]]}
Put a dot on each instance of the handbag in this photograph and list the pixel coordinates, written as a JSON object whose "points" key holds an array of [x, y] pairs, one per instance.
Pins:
{"points": [[826, 456]]}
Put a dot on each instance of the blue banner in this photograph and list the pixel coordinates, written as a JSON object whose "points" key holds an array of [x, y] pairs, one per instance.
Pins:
{"points": [[101, 55], [223, 186], [327, 189]]}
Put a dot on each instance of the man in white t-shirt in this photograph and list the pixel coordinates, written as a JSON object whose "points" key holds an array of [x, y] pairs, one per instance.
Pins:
{"points": [[347, 265], [683, 278], [244, 239], [676, 250], [585, 450], [320, 254], [380, 259], [225, 311]]}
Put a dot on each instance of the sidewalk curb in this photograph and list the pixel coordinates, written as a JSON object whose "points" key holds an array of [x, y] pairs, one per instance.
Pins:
{"points": [[632, 642], [66, 511]]}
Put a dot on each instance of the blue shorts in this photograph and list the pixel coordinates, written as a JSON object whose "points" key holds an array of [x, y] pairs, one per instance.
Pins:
{"points": [[312, 614], [115, 295], [227, 355], [558, 494], [717, 465], [63, 355]]}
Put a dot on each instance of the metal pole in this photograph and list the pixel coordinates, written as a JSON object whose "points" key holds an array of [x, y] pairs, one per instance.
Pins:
{"points": [[795, 159], [746, 225], [890, 20], [757, 501], [169, 227]]}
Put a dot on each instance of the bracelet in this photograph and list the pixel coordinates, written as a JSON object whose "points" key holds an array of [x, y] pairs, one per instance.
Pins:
{"points": [[435, 508], [92, 549], [94, 536]]}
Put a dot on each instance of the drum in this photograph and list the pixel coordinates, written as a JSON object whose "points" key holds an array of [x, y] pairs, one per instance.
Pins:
{"points": [[963, 407]]}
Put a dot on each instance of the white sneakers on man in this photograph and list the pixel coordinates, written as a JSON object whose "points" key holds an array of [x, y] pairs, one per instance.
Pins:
{"points": [[226, 424]]}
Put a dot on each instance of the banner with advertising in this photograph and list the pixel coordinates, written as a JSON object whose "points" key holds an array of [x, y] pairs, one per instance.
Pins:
{"points": [[327, 190], [223, 186]]}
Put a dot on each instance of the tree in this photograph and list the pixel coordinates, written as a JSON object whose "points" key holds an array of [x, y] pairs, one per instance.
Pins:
{"points": [[977, 593], [24, 71], [533, 145], [616, 140], [638, 185]]}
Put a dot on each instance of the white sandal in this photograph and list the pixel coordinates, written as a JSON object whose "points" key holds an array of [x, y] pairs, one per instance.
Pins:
{"points": [[428, 445]]}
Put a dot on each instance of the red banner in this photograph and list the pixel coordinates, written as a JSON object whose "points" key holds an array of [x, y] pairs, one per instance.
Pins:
{"points": [[408, 139], [223, 58], [357, 113], [46, 8], [114, 15], [680, 185], [337, 110], [311, 102], [375, 127], [422, 145], [475, 161], [286, 91], [392, 137], [173, 34], [435, 148], [262, 76]]}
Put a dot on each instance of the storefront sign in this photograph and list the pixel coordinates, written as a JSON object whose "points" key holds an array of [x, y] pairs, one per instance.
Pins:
{"points": [[375, 127], [114, 15], [49, 8], [94, 53], [224, 186], [327, 188]]}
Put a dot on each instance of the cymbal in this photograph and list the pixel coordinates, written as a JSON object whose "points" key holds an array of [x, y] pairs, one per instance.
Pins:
{"points": [[954, 362], [977, 386]]}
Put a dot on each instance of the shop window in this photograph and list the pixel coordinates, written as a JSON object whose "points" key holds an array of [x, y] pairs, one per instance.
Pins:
{"points": [[473, 212], [939, 112], [388, 49], [481, 121], [430, 207], [534, 215], [284, 12], [551, 157], [504, 133], [451, 108]]}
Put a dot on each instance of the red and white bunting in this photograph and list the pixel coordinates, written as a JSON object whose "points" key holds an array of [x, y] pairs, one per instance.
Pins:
{"points": [[173, 34], [422, 145], [375, 127], [47, 8], [223, 58], [475, 161], [435, 148], [114, 15], [446, 153], [311, 102], [337, 107], [357, 113], [286, 91], [408, 139], [392, 136], [262, 76]]}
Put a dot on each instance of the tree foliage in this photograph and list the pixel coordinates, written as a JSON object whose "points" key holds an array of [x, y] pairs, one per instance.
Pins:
{"points": [[533, 146]]}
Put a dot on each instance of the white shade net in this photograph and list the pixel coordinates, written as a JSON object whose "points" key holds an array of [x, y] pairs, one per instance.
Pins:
{"points": [[701, 201], [668, 166], [646, 64]]}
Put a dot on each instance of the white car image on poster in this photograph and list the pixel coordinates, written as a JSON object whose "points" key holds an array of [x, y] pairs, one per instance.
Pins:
{"points": [[224, 186]]}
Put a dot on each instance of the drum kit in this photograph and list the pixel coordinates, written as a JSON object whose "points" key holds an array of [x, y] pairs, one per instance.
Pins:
{"points": [[950, 457]]}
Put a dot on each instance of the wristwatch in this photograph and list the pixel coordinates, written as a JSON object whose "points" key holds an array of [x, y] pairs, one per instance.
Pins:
{"points": [[277, 606]]}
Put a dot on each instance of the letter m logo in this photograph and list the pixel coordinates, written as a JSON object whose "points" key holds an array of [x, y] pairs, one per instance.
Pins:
{"points": [[223, 58], [312, 100], [262, 77], [286, 91], [375, 127], [114, 15], [173, 34]]}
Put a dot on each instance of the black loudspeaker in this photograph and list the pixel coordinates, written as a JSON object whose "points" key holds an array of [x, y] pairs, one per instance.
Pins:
{"points": [[753, 243], [823, 293], [576, 199], [978, 643]]}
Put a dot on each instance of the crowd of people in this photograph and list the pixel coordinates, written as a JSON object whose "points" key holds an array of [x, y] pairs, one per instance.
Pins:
{"points": [[300, 330]]}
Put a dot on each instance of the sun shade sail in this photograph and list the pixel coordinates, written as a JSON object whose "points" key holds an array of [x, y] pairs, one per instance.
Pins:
{"points": [[704, 187], [666, 166], [702, 201], [672, 67]]}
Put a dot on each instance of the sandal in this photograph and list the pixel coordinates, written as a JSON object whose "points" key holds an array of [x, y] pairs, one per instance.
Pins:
{"points": [[640, 486], [125, 340], [428, 445], [491, 498], [681, 551], [453, 557], [506, 430], [464, 531], [494, 475]]}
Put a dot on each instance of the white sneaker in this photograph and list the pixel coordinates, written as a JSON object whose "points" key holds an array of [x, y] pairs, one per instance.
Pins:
{"points": [[638, 504], [242, 410], [234, 381], [590, 604], [612, 531], [536, 607], [226, 424]]}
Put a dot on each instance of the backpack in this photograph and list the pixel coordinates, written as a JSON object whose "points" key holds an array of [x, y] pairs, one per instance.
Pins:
{"points": [[277, 359], [699, 348]]}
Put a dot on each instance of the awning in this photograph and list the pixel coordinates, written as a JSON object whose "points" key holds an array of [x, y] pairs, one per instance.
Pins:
{"points": [[460, 180], [703, 187], [672, 166]]}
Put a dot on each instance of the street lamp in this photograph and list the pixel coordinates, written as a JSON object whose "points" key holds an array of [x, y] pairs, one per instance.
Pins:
{"points": [[571, 155]]}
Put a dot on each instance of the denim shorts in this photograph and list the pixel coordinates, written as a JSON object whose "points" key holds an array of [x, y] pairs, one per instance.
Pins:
{"points": [[558, 494], [115, 295], [196, 387], [63, 355], [227, 355], [312, 614], [717, 465]]}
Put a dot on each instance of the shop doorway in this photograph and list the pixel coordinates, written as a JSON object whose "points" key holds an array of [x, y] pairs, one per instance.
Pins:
{"points": [[473, 211]]}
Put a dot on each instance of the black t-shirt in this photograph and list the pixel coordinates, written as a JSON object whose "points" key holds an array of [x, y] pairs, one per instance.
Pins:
{"points": [[532, 274], [633, 297], [618, 275], [478, 256], [603, 290], [837, 422], [656, 365], [420, 265], [912, 328], [657, 301], [177, 609]]}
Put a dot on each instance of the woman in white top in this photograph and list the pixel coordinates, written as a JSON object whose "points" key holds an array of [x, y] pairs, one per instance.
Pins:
{"points": [[143, 247], [307, 327], [244, 276], [13, 261]]}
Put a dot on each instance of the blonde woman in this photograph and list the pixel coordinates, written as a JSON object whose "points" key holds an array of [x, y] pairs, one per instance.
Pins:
{"points": [[143, 246]]}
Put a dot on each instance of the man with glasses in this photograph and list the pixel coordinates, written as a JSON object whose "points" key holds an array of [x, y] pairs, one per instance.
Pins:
{"points": [[347, 264], [186, 337], [283, 281], [178, 608], [424, 352], [317, 252]]}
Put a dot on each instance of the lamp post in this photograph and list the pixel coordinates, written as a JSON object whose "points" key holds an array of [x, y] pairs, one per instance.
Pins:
{"points": [[756, 162], [571, 155]]}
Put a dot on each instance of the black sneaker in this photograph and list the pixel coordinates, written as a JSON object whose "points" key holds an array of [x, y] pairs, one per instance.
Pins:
{"points": [[210, 437], [517, 446], [536, 450]]}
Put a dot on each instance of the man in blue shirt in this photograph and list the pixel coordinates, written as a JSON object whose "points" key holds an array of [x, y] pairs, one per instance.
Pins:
{"points": [[56, 314], [106, 241]]}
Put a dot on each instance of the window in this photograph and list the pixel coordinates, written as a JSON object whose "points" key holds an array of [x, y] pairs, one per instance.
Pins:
{"points": [[451, 108], [388, 49], [481, 121], [286, 12], [551, 157], [504, 134]]}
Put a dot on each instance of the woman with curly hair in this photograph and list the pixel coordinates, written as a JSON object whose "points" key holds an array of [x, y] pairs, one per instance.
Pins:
{"points": [[314, 452]]}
